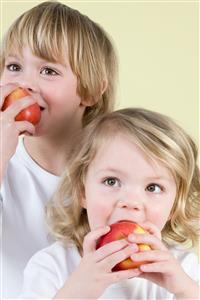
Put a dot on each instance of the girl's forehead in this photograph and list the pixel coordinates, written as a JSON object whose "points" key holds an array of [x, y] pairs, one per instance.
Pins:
{"points": [[122, 153]]}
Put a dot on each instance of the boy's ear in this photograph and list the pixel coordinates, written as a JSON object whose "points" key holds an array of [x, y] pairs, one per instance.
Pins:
{"points": [[104, 86], [88, 102], [91, 101]]}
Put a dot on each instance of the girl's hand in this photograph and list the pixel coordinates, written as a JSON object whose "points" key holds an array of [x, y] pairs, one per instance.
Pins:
{"points": [[162, 268], [94, 275], [11, 129]]}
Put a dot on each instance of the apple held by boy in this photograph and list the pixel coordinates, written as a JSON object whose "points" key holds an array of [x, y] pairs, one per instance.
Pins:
{"points": [[121, 230], [31, 114]]}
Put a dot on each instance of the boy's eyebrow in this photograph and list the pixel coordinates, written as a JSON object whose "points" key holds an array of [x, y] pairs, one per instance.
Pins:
{"points": [[40, 59], [18, 57], [13, 55]]}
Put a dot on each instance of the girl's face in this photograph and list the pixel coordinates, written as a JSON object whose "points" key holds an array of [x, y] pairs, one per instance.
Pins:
{"points": [[123, 184], [53, 85]]}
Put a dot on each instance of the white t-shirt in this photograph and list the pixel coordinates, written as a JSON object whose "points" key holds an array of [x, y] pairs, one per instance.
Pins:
{"points": [[48, 270], [25, 190]]}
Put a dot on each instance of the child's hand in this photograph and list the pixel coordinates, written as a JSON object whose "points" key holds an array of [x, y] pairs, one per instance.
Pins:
{"points": [[162, 268], [94, 275], [10, 129]]}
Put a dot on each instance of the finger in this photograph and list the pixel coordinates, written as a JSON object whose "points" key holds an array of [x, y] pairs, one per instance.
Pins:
{"points": [[125, 274], [111, 261], [113, 247], [17, 106], [158, 267], [151, 228], [90, 240], [5, 90], [25, 126], [149, 256], [151, 240]]}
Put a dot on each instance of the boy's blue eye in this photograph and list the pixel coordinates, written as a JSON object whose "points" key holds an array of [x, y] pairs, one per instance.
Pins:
{"points": [[111, 181], [13, 67], [49, 71], [154, 188]]}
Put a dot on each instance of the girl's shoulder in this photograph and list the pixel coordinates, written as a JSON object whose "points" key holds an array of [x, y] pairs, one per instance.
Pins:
{"points": [[48, 269], [181, 253], [57, 252]]}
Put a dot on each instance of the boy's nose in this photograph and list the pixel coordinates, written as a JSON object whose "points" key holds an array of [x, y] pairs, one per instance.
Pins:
{"points": [[28, 80], [30, 86]]}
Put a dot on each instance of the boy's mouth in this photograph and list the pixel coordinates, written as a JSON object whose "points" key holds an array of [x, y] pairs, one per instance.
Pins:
{"points": [[42, 108]]}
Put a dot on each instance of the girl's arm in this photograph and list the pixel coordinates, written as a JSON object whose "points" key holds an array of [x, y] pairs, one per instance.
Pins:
{"points": [[190, 290]]}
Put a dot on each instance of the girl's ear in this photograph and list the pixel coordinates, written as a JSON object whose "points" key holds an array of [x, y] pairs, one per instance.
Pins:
{"points": [[82, 196], [83, 202]]}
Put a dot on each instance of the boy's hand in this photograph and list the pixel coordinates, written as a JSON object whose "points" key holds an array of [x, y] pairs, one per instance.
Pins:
{"points": [[11, 129], [162, 268], [94, 273]]}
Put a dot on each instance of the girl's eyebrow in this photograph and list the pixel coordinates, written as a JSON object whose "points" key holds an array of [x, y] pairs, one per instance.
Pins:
{"points": [[111, 170], [163, 178]]}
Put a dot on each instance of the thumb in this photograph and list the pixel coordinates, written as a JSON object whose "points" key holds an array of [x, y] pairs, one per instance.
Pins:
{"points": [[90, 240]]}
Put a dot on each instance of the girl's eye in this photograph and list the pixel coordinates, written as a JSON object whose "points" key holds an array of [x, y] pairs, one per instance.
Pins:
{"points": [[49, 71], [154, 188], [111, 181], [13, 67]]}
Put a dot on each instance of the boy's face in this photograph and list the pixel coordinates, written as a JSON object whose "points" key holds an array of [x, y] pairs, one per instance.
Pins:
{"points": [[122, 184], [53, 85]]}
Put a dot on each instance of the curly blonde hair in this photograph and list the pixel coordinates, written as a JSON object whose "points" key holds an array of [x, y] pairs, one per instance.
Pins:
{"points": [[161, 139], [56, 32]]}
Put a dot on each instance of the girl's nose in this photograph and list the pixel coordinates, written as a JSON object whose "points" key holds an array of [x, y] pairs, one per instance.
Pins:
{"points": [[131, 203]]}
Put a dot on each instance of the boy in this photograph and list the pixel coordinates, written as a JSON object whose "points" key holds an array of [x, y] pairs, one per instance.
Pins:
{"points": [[68, 65]]}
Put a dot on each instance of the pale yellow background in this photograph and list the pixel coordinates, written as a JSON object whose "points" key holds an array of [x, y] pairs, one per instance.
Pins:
{"points": [[157, 44]]}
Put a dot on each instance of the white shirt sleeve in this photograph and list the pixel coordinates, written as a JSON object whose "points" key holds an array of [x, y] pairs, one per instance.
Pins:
{"points": [[41, 280]]}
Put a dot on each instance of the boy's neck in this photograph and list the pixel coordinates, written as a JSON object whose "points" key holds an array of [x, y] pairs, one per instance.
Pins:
{"points": [[49, 154]]}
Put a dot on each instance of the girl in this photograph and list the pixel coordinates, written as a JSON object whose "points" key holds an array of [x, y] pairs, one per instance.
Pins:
{"points": [[68, 64], [135, 165]]}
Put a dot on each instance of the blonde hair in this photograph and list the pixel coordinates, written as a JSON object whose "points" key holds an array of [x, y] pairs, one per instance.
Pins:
{"points": [[56, 32], [161, 139]]}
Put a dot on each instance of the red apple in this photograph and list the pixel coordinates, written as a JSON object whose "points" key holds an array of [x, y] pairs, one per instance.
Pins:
{"points": [[120, 231], [31, 114]]}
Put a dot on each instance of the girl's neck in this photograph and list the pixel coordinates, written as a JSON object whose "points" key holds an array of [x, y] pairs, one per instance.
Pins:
{"points": [[49, 153]]}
